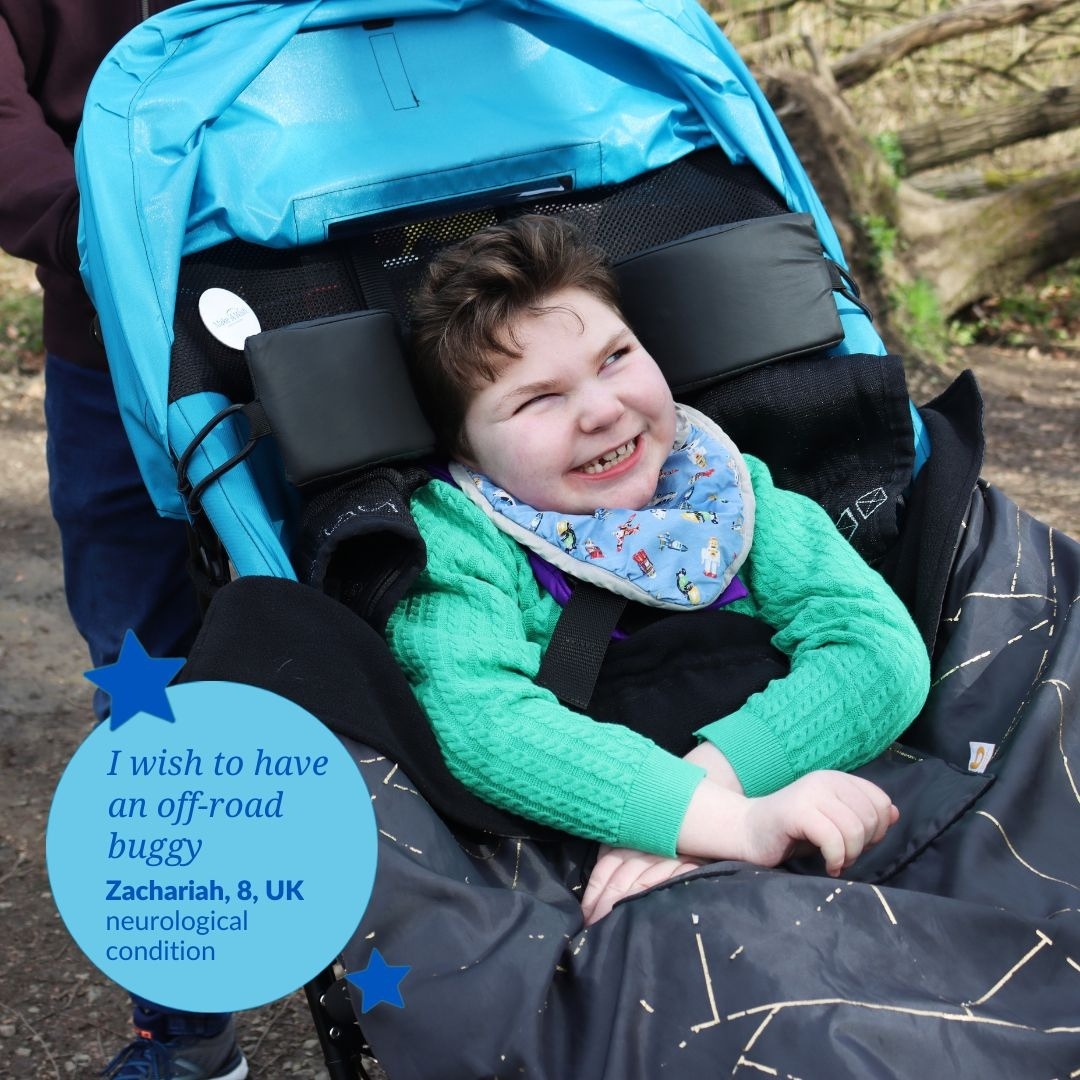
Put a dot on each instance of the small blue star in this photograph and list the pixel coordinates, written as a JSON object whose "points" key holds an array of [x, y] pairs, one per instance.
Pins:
{"points": [[379, 981], [136, 683]]}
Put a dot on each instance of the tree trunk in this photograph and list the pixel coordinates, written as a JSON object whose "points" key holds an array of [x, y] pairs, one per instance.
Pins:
{"points": [[850, 176], [893, 45], [1031, 116]]}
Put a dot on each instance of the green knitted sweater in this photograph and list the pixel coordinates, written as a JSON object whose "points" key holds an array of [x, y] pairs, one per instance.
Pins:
{"points": [[470, 634]]}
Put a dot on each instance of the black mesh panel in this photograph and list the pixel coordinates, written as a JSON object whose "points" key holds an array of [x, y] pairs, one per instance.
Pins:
{"points": [[281, 286], [381, 268], [391, 260], [693, 193]]}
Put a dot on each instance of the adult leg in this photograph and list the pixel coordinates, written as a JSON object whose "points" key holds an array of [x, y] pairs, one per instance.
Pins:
{"points": [[124, 567]]}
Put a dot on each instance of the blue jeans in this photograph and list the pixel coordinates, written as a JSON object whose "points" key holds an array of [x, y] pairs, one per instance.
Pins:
{"points": [[124, 566]]}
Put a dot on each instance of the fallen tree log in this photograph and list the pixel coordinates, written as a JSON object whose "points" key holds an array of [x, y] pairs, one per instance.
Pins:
{"points": [[971, 248], [1031, 116], [967, 183]]}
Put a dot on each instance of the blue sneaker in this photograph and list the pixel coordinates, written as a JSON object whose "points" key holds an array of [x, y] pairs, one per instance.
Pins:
{"points": [[187, 1057]]}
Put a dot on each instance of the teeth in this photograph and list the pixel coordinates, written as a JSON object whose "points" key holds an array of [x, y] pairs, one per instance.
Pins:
{"points": [[605, 461]]}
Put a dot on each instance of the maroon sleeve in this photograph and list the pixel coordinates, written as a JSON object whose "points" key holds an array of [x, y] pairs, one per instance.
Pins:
{"points": [[39, 201]]}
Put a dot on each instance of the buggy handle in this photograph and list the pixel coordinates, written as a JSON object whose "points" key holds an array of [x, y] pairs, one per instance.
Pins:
{"points": [[192, 494]]}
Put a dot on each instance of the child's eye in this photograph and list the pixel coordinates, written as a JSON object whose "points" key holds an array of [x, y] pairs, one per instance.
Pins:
{"points": [[532, 401], [618, 354]]}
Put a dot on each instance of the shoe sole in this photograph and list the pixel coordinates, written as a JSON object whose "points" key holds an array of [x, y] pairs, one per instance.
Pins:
{"points": [[238, 1073]]}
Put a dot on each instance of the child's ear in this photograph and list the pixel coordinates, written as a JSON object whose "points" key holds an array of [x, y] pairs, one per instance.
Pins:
{"points": [[462, 452]]}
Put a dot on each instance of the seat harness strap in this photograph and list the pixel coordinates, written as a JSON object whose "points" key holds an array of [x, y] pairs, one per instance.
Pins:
{"points": [[571, 663]]}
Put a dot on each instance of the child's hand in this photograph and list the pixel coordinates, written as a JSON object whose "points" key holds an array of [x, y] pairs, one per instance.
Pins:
{"points": [[839, 814], [621, 872]]}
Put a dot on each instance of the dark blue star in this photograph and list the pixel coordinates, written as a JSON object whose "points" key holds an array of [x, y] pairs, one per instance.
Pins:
{"points": [[379, 981], [136, 683]]}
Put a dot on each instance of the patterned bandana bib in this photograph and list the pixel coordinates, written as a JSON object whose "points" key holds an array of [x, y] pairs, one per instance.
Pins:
{"points": [[680, 551]]}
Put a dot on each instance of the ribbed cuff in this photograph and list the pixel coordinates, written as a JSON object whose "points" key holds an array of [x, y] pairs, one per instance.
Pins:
{"points": [[657, 801], [754, 751]]}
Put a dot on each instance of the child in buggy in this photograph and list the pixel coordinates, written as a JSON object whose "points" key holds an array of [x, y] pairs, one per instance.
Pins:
{"points": [[379, 138], [530, 375]]}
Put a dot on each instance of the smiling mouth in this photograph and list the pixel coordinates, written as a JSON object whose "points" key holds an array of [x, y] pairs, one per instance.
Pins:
{"points": [[607, 461]]}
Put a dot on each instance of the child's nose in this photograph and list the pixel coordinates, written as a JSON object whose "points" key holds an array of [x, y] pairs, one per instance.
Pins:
{"points": [[600, 408]]}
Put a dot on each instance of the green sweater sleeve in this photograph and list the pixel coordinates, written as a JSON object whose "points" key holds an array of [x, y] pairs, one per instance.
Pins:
{"points": [[859, 670], [469, 637]]}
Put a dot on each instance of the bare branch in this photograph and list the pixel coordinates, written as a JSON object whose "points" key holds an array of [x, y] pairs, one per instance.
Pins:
{"points": [[871, 11], [744, 14], [770, 48], [1033, 53], [817, 59], [887, 48], [987, 72]]}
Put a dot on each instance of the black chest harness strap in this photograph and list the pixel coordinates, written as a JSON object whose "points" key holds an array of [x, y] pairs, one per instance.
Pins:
{"points": [[572, 661]]}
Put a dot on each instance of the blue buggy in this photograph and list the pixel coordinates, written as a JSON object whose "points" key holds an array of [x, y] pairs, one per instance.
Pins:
{"points": [[308, 158]]}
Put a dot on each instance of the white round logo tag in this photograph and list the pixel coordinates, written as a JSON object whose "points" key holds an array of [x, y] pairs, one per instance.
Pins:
{"points": [[228, 317]]}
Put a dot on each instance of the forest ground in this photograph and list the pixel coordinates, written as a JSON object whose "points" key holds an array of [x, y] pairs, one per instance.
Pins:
{"points": [[59, 1016]]}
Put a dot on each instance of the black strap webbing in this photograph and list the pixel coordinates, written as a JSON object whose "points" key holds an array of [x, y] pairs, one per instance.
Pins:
{"points": [[571, 664]]}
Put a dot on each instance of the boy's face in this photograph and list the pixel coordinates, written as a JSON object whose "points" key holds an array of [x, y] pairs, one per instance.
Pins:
{"points": [[584, 419]]}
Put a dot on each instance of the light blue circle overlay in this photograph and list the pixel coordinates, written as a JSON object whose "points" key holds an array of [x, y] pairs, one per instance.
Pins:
{"points": [[216, 863]]}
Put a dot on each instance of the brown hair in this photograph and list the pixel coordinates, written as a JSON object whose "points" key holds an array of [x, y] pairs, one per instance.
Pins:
{"points": [[472, 294]]}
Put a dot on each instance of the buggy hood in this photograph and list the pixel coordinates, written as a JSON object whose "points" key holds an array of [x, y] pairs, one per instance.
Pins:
{"points": [[272, 123]]}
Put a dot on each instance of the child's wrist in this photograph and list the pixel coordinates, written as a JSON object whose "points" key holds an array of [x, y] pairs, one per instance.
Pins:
{"points": [[715, 823], [716, 765]]}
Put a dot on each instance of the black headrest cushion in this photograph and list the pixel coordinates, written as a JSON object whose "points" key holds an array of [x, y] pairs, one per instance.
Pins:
{"points": [[337, 394], [726, 299]]}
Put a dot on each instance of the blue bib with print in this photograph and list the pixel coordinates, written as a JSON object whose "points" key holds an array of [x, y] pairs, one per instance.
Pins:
{"points": [[680, 551]]}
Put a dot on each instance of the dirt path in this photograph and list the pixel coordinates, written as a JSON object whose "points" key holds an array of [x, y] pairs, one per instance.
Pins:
{"points": [[59, 1017], [1032, 424]]}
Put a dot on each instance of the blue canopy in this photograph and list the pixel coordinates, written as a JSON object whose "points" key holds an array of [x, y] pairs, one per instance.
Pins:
{"points": [[271, 122]]}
